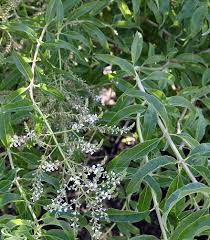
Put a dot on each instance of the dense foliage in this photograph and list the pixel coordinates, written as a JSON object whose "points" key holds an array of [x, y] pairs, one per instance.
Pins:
{"points": [[104, 119]]}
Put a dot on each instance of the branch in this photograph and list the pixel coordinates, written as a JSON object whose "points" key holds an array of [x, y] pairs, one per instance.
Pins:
{"points": [[22, 193], [156, 205], [168, 138]]}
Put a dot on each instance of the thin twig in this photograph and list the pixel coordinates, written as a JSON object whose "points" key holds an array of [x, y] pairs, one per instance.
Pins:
{"points": [[22, 193], [156, 205], [31, 87], [169, 139]]}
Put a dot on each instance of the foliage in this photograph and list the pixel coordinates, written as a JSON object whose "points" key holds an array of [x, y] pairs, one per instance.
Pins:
{"points": [[57, 177]]}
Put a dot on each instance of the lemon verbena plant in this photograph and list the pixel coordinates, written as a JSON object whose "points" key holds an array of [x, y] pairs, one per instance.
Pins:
{"points": [[104, 119]]}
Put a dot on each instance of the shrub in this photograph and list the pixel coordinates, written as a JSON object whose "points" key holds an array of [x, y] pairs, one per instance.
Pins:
{"points": [[60, 176]]}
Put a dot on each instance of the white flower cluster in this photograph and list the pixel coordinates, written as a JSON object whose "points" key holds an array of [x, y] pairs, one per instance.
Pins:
{"points": [[18, 141], [90, 118], [85, 119], [50, 166], [8, 7], [87, 147], [91, 185], [115, 129], [98, 98], [37, 186], [59, 204]]}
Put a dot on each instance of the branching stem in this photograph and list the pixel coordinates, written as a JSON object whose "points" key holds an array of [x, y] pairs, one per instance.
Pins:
{"points": [[168, 138], [36, 107], [22, 193], [154, 198]]}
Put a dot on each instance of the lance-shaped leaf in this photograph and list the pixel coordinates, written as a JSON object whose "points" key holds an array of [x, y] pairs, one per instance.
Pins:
{"points": [[9, 198], [136, 47], [195, 228], [181, 102], [122, 63], [197, 19], [147, 169], [181, 193], [5, 127], [186, 222], [144, 237], [154, 101], [126, 112], [21, 105], [117, 215], [22, 66], [123, 160]]}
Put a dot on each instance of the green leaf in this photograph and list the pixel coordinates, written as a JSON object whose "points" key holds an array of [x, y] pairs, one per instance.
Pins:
{"points": [[186, 222], [145, 198], [158, 76], [56, 234], [181, 102], [176, 196], [50, 179], [126, 228], [16, 95], [28, 157], [2, 167], [154, 101], [123, 85], [196, 228], [197, 19], [190, 141], [190, 58], [154, 7], [201, 126], [9, 198], [22, 66], [51, 11], [126, 112], [79, 37], [59, 12], [206, 77], [154, 59], [136, 8], [117, 215], [60, 44], [154, 185], [23, 28], [203, 171], [188, 8], [52, 91], [87, 8], [48, 221], [68, 5], [150, 121], [144, 237], [124, 158], [5, 186], [176, 184], [22, 105], [202, 149], [97, 34], [148, 168], [136, 47], [5, 128], [124, 8], [122, 63]]}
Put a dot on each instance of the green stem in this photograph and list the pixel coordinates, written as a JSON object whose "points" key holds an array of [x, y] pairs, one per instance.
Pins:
{"points": [[169, 139], [22, 193], [36, 107], [156, 205]]}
